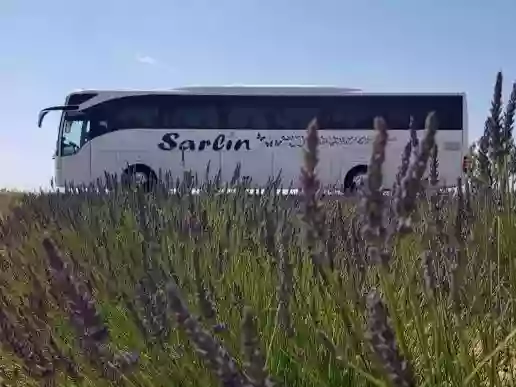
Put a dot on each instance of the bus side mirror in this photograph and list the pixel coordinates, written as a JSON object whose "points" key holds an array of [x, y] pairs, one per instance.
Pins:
{"points": [[44, 112]]}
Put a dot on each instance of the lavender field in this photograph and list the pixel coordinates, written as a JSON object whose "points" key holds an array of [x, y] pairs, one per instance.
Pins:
{"points": [[127, 288]]}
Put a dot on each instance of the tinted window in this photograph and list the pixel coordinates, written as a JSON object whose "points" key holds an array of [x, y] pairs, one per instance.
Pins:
{"points": [[343, 112], [97, 121], [133, 112], [78, 98], [161, 112], [189, 112], [241, 116], [276, 112], [295, 117], [358, 112]]}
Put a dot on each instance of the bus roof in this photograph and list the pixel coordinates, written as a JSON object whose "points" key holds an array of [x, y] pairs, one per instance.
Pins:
{"points": [[283, 90], [271, 90]]}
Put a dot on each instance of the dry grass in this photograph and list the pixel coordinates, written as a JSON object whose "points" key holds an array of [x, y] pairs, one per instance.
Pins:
{"points": [[7, 201]]}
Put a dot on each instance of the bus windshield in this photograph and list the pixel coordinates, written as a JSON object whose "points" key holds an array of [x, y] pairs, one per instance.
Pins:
{"points": [[79, 127], [73, 135]]}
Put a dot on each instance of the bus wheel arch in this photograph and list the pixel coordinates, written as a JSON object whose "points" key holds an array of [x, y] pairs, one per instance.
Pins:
{"points": [[351, 177], [139, 174]]}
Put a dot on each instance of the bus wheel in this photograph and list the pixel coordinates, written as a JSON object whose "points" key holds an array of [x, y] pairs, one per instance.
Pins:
{"points": [[355, 178], [139, 176]]}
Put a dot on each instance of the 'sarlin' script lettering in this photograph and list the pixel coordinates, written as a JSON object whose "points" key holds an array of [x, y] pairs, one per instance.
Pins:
{"points": [[169, 142]]}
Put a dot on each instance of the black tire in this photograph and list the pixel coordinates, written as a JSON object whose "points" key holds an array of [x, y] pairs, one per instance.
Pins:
{"points": [[357, 173], [139, 176]]}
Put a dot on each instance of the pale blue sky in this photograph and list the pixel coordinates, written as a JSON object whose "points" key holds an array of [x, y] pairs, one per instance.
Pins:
{"points": [[48, 48]]}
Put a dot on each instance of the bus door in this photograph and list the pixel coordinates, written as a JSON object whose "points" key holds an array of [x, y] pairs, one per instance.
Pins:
{"points": [[72, 155], [73, 161]]}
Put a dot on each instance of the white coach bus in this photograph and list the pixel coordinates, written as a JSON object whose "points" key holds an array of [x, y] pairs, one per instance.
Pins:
{"points": [[262, 129]]}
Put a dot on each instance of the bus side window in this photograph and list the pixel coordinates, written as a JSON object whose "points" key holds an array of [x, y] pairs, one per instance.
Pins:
{"points": [[341, 113], [97, 128], [135, 112], [86, 133], [143, 117], [191, 117], [400, 112], [336, 119], [97, 124], [296, 118], [188, 112], [247, 118], [392, 110]]}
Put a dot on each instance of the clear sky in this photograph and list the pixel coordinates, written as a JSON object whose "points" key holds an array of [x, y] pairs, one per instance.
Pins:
{"points": [[51, 47]]}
